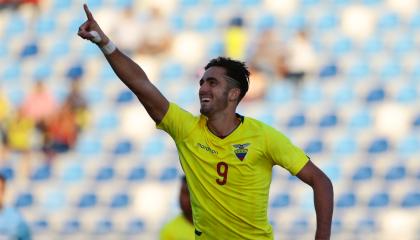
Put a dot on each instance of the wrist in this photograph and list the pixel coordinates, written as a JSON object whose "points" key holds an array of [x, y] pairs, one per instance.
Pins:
{"points": [[107, 47]]}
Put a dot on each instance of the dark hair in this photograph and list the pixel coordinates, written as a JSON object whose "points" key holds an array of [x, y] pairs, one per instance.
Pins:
{"points": [[184, 179], [236, 70]]}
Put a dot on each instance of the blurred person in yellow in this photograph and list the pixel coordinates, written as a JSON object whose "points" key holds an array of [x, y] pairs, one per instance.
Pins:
{"points": [[19, 133], [181, 227], [4, 114], [12, 223], [236, 39], [227, 158]]}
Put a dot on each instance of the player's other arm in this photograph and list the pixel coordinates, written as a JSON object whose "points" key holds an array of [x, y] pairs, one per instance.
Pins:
{"points": [[131, 74], [323, 198]]}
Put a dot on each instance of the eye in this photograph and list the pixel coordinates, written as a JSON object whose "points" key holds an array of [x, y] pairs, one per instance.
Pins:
{"points": [[201, 82]]}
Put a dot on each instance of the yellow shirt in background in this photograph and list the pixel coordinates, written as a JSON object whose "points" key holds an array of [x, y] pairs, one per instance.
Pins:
{"points": [[229, 179], [178, 228]]}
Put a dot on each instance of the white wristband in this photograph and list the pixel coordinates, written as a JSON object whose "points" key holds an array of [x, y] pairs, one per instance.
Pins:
{"points": [[108, 48]]}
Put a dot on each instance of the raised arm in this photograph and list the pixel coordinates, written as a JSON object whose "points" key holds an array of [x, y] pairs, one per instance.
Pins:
{"points": [[131, 74], [323, 198]]}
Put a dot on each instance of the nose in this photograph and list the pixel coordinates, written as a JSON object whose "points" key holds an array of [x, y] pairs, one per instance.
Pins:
{"points": [[204, 88]]}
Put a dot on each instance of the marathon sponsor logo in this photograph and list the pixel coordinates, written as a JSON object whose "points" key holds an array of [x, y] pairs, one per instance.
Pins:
{"points": [[207, 148]]}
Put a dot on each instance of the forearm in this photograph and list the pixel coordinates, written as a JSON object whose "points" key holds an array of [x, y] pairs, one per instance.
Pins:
{"points": [[324, 203], [130, 73]]}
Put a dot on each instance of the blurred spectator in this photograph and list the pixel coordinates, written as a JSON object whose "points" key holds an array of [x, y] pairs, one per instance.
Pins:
{"points": [[236, 39], [19, 133], [39, 104], [78, 104], [17, 3], [128, 23], [301, 59], [4, 113], [12, 224], [60, 132], [156, 37], [268, 53], [257, 84], [181, 227]]}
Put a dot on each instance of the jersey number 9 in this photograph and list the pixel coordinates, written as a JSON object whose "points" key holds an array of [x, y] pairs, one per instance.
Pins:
{"points": [[222, 171]]}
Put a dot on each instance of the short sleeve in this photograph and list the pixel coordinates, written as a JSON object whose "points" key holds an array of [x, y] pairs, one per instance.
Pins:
{"points": [[177, 122], [284, 153]]}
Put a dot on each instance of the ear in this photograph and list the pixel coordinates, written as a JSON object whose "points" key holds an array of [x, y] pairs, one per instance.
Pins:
{"points": [[233, 95]]}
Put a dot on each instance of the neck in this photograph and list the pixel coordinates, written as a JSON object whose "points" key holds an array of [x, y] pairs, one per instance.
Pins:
{"points": [[223, 124]]}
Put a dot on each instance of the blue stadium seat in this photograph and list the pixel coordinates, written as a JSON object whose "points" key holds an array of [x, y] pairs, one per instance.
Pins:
{"points": [[103, 226], [362, 119], [41, 173], [409, 145], [266, 21], [363, 173], [411, 200], [123, 147], [45, 25], [59, 49], [297, 120], [296, 22], [404, 45], [373, 45], [7, 172], [390, 71], [24, 200], [379, 145], [62, 5], [171, 71], [379, 200], [346, 200], [153, 147], [168, 174], [328, 120], [397, 172], [311, 94], [40, 225], [71, 226], [358, 71], [416, 121], [344, 96], [87, 200], [73, 173], [105, 174], [343, 45], [89, 146], [366, 224], [279, 93], [188, 3], [135, 226], [16, 25], [30, 49], [336, 225], [54, 201], [125, 96], [75, 71], [376, 95], [415, 21], [407, 94], [280, 200], [345, 146], [137, 174], [299, 225], [120, 200], [250, 3], [108, 121], [314, 146], [388, 21], [206, 23], [12, 73]]}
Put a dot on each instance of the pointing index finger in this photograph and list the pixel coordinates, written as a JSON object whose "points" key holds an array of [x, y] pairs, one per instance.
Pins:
{"points": [[87, 11]]}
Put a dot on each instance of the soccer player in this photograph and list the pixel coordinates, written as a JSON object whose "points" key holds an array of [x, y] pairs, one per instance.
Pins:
{"points": [[227, 158], [181, 227], [12, 224]]}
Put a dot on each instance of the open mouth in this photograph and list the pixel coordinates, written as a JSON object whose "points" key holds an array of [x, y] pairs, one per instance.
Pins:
{"points": [[205, 100]]}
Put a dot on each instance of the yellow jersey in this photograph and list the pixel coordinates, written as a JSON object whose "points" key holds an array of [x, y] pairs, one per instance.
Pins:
{"points": [[229, 178], [178, 228]]}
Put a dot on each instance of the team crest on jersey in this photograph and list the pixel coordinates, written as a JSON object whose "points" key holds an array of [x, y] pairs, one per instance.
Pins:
{"points": [[240, 150]]}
